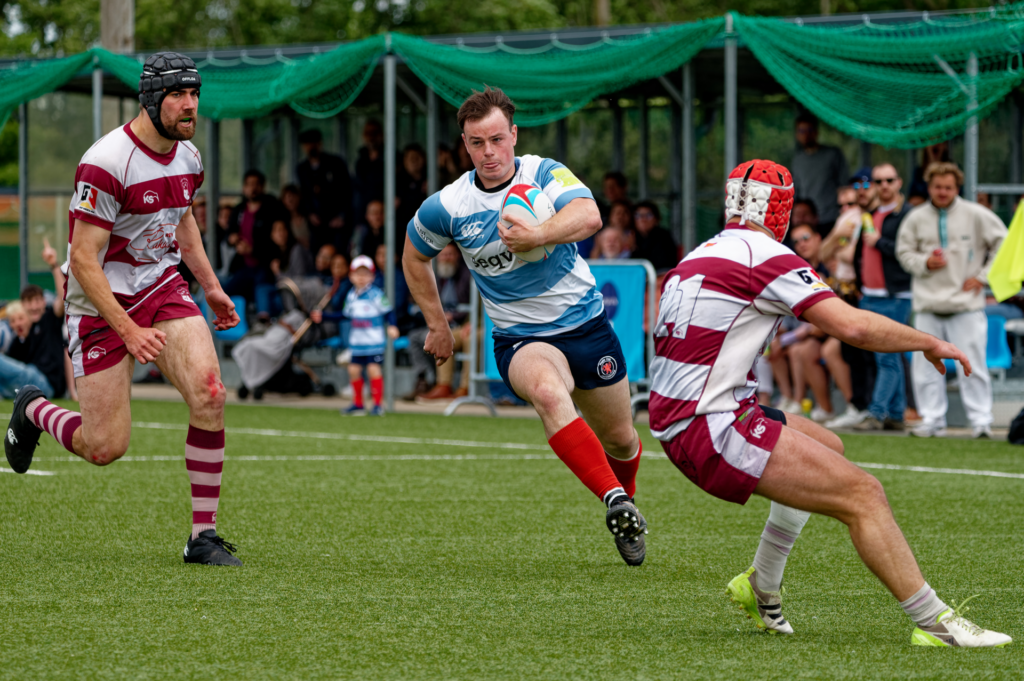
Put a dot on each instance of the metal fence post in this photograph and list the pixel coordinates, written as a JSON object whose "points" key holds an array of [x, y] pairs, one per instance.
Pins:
{"points": [[23, 193], [389, 215], [645, 156], [689, 164], [97, 99], [731, 157], [971, 134], [212, 178], [431, 141]]}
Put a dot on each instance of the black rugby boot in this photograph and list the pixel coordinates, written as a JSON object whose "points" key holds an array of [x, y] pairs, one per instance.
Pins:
{"points": [[629, 527], [22, 435], [209, 549]]}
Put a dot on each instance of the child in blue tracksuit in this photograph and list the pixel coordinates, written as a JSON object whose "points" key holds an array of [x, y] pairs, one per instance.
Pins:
{"points": [[371, 316]]}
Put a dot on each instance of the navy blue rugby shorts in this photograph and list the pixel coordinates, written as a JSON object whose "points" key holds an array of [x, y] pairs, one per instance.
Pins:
{"points": [[592, 350]]}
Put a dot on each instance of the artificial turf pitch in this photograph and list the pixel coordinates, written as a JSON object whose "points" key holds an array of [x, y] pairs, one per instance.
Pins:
{"points": [[386, 556]]}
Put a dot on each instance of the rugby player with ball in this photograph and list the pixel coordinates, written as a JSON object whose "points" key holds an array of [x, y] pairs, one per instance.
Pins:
{"points": [[516, 221]]}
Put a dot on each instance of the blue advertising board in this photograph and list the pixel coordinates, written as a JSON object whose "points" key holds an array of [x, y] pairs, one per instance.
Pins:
{"points": [[624, 289]]}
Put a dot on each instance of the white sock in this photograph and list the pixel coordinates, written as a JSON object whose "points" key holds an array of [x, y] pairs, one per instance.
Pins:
{"points": [[780, 533], [924, 607]]}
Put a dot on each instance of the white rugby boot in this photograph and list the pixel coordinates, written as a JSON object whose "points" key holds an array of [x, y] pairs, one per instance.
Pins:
{"points": [[953, 630]]}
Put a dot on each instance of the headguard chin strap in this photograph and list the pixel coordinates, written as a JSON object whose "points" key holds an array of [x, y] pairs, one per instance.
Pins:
{"points": [[760, 192], [165, 72]]}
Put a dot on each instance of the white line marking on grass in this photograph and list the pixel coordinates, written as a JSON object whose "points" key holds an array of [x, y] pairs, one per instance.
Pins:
{"points": [[352, 438], [333, 457], [150, 425], [951, 471], [8, 470]]}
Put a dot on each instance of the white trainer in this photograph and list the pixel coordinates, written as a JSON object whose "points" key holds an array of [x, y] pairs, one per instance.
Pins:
{"points": [[790, 406], [819, 415], [955, 631], [848, 419], [982, 433], [927, 430]]}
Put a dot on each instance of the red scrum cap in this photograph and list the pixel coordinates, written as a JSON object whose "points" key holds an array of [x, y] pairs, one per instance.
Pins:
{"points": [[760, 192]]}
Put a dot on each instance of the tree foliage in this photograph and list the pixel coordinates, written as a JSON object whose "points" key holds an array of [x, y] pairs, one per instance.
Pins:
{"points": [[54, 27]]}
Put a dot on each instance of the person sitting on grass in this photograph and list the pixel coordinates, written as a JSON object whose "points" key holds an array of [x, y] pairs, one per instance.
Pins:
{"points": [[371, 316]]}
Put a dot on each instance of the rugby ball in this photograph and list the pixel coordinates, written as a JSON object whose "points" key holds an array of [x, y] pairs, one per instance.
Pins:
{"points": [[533, 207]]}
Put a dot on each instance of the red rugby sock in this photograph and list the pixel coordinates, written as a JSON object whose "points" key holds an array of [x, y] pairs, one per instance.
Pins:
{"points": [[357, 393], [204, 461], [626, 470], [578, 447], [59, 422], [377, 389]]}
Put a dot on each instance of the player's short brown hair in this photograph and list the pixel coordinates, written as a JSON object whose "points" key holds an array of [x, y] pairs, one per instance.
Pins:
{"points": [[480, 104], [944, 168]]}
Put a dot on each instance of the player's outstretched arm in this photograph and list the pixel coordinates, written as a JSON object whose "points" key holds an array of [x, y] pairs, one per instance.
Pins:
{"points": [[876, 333], [88, 240], [190, 241], [419, 275], [578, 220]]}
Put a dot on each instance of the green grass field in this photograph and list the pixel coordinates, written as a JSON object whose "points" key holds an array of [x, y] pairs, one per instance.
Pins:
{"points": [[372, 553]]}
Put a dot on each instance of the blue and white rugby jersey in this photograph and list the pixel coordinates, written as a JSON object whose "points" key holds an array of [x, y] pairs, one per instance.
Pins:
{"points": [[522, 299], [370, 313]]}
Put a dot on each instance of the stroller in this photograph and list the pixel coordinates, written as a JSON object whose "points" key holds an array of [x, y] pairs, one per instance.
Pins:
{"points": [[263, 360]]}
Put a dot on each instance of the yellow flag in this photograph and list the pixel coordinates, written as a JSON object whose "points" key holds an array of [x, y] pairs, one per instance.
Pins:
{"points": [[1007, 271]]}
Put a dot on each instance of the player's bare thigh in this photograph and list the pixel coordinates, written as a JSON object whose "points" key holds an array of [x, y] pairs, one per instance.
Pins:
{"points": [[805, 474], [610, 415], [105, 404], [189, 361], [816, 431], [539, 373]]}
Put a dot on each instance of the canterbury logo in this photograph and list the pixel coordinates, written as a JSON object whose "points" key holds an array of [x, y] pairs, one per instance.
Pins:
{"points": [[10, 436]]}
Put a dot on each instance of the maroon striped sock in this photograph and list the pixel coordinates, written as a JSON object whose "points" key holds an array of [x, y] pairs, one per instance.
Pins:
{"points": [[204, 461], [59, 422]]}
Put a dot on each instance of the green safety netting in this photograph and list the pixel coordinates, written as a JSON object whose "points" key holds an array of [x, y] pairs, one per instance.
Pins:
{"points": [[897, 85], [553, 81], [30, 79], [318, 86]]}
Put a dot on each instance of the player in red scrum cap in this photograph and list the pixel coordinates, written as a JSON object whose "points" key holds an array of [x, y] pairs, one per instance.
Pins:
{"points": [[720, 308]]}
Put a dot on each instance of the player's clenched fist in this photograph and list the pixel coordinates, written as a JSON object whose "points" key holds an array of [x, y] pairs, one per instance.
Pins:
{"points": [[440, 344], [145, 344]]}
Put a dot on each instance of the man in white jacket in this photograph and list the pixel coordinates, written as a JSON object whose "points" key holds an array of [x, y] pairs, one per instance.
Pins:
{"points": [[948, 245]]}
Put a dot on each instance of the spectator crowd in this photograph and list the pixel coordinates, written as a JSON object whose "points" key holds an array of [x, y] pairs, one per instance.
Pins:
{"points": [[918, 257]]}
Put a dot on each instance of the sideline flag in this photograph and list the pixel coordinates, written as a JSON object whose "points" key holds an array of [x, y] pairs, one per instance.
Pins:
{"points": [[1007, 270]]}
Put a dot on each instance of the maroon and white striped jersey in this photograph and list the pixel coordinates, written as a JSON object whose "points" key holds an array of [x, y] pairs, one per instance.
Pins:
{"points": [[140, 196], [720, 308]]}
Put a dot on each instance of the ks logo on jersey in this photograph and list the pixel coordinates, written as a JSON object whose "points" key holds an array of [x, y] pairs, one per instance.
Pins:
{"points": [[150, 197], [759, 428], [96, 352]]}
